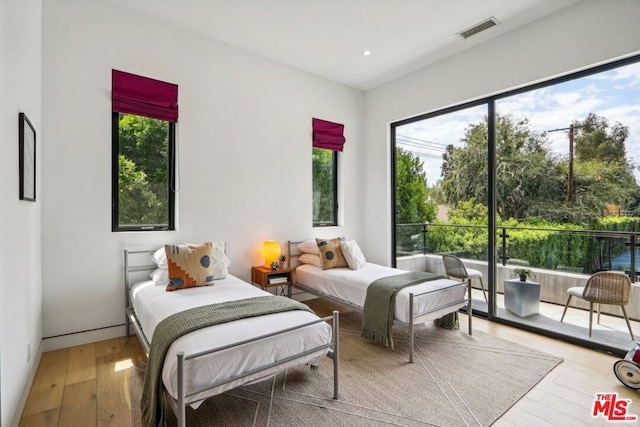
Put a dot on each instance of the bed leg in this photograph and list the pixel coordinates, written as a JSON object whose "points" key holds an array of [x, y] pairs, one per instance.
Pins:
{"points": [[411, 341], [469, 308], [336, 352], [181, 416]]}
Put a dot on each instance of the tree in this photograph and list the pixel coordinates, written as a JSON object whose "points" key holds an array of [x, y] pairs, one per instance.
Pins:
{"points": [[525, 170], [412, 205], [137, 203], [323, 194], [145, 141], [596, 140]]}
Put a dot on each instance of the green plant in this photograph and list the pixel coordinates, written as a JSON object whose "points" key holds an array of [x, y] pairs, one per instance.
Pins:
{"points": [[523, 272], [282, 257]]}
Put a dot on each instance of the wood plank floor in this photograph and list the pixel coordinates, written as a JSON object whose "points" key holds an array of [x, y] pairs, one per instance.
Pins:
{"points": [[87, 385]]}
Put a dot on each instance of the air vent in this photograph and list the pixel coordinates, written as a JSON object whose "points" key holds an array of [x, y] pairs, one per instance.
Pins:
{"points": [[484, 25]]}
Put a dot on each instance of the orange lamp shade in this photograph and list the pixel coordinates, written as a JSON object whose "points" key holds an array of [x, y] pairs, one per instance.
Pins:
{"points": [[270, 251]]}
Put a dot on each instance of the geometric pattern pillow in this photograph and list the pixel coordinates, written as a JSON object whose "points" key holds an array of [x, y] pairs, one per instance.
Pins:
{"points": [[189, 265], [331, 253], [352, 253]]}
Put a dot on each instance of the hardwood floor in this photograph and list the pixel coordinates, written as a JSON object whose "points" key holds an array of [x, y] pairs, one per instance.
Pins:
{"points": [[87, 385]]}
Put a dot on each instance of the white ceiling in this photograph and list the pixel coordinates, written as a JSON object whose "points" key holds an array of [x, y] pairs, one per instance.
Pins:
{"points": [[326, 37]]}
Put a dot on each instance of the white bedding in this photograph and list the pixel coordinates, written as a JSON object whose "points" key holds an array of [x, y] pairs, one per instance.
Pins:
{"points": [[351, 286], [152, 304]]}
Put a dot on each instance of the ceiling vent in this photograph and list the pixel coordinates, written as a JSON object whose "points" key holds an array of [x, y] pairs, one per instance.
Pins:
{"points": [[484, 25]]}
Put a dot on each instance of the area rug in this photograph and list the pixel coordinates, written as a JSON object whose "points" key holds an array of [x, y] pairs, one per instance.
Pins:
{"points": [[456, 380]]}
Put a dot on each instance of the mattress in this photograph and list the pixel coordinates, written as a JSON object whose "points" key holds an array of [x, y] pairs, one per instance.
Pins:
{"points": [[351, 286], [153, 303]]}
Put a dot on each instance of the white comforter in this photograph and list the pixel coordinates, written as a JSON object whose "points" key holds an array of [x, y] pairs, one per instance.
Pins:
{"points": [[351, 286], [152, 304]]}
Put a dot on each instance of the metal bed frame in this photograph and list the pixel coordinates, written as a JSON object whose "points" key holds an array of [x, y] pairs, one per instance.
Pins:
{"points": [[414, 317], [179, 404]]}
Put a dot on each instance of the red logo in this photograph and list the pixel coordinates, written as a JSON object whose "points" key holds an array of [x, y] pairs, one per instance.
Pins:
{"points": [[611, 408]]}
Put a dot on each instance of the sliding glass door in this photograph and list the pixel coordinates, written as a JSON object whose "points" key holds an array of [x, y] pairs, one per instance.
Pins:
{"points": [[541, 181]]}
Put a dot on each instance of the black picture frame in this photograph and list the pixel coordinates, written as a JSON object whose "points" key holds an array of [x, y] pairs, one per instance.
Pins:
{"points": [[27, 149]]}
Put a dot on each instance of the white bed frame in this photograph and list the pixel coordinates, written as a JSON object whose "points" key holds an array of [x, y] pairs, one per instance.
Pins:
{"points": [[414, 317], [183, 399]]}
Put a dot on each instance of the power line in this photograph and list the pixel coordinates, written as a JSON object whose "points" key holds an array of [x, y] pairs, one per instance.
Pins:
{"points": [[422, 140]]}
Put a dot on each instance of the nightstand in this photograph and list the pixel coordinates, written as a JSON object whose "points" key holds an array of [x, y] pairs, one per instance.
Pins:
{"points": [[265, 277]]}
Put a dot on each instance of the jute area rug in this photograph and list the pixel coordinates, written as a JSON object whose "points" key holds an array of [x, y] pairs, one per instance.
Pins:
{"points": [[456, 380]]}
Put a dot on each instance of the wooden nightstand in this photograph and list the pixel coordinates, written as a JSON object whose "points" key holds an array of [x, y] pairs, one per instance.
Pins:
{"points": [[266, 278]]}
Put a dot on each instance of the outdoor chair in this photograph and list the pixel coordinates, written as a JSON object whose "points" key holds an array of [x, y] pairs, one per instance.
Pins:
{"points": [[603, 287], [454, 267]]}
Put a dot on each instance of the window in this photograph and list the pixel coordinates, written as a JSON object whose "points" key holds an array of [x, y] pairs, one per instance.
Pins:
{"points": [[325, 187], [143, 159], [144, 116], [328, 139]]}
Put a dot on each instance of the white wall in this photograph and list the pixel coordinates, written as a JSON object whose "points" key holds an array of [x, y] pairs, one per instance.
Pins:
{"points": [[21, 290], [584, 34], [244, 148]]}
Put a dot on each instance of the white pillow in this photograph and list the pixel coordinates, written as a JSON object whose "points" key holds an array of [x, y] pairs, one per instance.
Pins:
{"points": [[220, 261], [160, 258], [309, 247], [310, 259], [160, 276], [352, 253]]}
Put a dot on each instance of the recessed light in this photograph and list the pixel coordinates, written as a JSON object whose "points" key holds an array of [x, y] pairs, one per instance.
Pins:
{"points": [[366, 52]]}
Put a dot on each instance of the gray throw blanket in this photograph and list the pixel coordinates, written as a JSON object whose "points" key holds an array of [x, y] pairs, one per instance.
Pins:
{"points": [[379, 305], [190, 320]]}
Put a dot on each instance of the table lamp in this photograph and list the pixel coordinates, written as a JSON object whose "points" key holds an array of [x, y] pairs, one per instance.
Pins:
{"points": [[270, 251]]}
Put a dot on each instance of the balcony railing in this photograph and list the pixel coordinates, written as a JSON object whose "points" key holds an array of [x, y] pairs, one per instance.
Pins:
{"points": [[574, 251]]}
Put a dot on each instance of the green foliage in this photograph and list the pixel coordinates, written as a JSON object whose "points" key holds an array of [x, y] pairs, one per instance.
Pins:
{"points": [[145, 141], [533, 182], [523, 272], [412, 205], [143, 170], [138, 205], [323, 196]]}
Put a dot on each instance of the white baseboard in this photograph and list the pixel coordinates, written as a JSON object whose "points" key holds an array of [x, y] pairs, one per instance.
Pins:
{"points": [[79, 338]]}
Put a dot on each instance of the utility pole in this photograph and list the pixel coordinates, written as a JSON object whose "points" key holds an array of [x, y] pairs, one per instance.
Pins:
{"points": [[571, 130]]}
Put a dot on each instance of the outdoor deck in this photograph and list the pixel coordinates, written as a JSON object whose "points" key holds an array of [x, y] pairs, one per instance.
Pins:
{"points": [[612, 330]]}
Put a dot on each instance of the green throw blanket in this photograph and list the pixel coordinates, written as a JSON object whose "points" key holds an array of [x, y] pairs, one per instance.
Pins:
{"points": [[377, 315], [190, 320]]}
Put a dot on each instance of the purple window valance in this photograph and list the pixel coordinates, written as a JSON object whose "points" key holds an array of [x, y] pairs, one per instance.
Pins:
{"points": [[328, 135], [143, 96]]}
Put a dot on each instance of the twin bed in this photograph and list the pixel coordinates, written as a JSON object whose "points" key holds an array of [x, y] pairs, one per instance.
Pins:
{"points": [[211, 360], [214, 359], [414, 305]]}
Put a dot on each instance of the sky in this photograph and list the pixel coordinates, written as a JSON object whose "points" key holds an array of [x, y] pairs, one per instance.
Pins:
{"points": [[613, 94]]}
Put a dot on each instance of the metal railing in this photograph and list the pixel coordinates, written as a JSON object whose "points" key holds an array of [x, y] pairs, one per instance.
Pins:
{"points": [[574, 250]]}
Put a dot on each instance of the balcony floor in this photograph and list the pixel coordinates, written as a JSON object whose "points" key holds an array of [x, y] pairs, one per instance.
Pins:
{"points": [[612, 330]]}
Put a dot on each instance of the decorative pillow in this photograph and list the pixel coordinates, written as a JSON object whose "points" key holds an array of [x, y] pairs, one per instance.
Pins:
{"points": [[160, 258], [160, 276], [309, 247], [330, 253], [352, 253], [310, 259], [220, 262], [189, 265]]}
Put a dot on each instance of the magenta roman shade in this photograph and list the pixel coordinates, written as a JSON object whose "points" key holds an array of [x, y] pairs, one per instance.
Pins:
{"points": [[143, 96], [328, 135]]}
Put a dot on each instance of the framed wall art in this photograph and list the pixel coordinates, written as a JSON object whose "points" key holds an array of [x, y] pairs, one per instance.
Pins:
{"points": [[27, 141]]}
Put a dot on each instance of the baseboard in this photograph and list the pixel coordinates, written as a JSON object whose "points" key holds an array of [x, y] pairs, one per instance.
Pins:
{"points": [[86, 337], [27, 387]]}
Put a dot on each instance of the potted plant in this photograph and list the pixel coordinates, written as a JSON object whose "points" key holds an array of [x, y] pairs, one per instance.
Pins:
{"points": [[282, 261], [523, 273]]}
